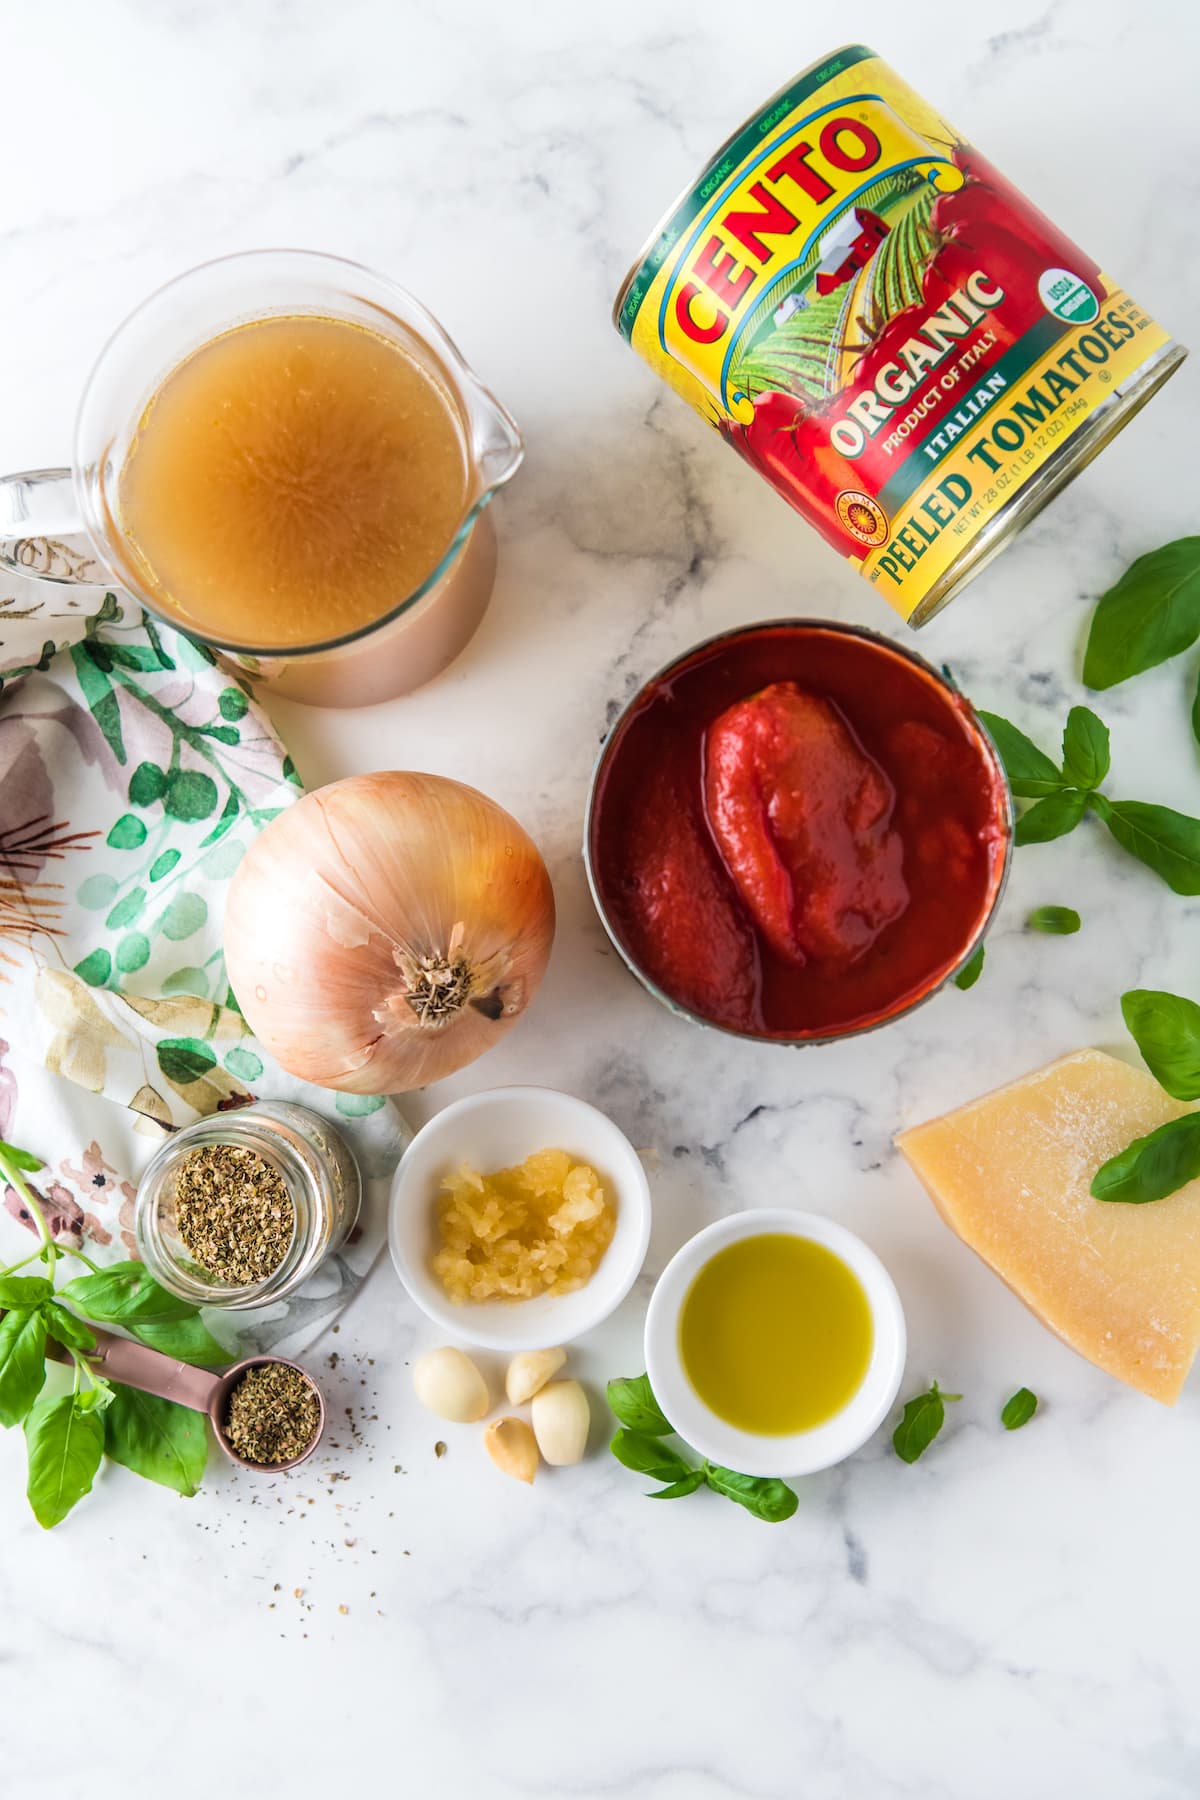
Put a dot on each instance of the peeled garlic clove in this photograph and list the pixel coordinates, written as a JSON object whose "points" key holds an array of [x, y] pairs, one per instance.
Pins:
{"points": [[449, 1384], [511, 1446], [561, 1417], [530, 1370]]}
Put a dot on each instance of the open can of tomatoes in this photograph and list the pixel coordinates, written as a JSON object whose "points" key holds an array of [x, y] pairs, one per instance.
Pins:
{"points": [[911, 353], [797, 831]]}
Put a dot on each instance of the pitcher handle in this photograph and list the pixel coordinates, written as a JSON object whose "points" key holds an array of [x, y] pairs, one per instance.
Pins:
{"points": [[38, 510]]}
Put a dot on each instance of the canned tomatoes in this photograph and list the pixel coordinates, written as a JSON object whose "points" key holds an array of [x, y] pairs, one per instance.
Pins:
{"points": [[797, 831], [887, 330]]}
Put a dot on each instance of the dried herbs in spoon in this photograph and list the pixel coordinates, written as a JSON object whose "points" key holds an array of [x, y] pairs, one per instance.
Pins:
{"points": [[273, 1414]]}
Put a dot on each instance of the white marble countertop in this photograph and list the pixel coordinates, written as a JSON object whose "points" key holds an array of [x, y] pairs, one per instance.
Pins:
{"points": [[1012, 1615]]}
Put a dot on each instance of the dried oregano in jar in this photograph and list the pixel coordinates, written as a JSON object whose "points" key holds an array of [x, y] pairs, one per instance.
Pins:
{"points": [[234, 1213], [297, 1188]]}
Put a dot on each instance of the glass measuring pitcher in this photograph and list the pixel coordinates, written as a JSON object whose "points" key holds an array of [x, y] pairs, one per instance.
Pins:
{"points": [[67, 525]]}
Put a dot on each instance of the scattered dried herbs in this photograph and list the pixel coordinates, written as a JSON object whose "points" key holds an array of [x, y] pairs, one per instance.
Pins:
{"points": [[273, 1414], [234, 1213]]}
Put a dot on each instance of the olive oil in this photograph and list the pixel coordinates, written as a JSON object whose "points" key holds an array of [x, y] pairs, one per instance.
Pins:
{"points": [[292, 481], [775, 1334]]}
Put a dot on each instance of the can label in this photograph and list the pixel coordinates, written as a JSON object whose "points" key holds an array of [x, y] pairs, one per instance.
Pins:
{"points": [[879, 322]]}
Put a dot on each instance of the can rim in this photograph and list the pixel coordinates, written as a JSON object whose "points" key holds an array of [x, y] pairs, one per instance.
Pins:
{"points": [[717, 154]]}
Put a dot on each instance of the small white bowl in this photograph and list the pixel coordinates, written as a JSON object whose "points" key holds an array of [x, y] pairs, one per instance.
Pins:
{"points": [[495, 1130], [754, 1453]]}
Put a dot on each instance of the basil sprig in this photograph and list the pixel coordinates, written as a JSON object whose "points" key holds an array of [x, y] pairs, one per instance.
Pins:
{"points": [[1059, 921], [1153, 1166], [1150, 615], [923, 1417], [65, 1444], [68, 1435], [156, 1439], [1087, 757], [1166, 1029], [1164, 840], [639, 1446], [971, 970], [1018, 1410], [633, 1402], [126, 1294]]}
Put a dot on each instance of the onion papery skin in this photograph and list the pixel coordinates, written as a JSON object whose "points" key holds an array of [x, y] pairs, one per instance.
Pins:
{"points": [[386, 930]]}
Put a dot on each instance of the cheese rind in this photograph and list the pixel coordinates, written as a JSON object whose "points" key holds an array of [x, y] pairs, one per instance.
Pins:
{"points": [[1011, 1174]]}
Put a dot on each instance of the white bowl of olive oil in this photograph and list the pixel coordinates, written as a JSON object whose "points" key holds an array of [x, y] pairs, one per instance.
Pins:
{"points": [[775, 1342]]}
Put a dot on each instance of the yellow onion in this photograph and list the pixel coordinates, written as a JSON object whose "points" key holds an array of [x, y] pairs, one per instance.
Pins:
{"points": [[387, 930]]}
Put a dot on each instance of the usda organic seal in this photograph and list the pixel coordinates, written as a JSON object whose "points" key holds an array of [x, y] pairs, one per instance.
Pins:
{"points": [[1064, 295]]}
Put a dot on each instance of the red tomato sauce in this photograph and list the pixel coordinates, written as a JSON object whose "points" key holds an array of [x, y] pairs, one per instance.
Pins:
{"points": [[798, 831]]}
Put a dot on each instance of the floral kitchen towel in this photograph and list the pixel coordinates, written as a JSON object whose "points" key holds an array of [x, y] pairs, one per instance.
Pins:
{"points": [[134, 774]]}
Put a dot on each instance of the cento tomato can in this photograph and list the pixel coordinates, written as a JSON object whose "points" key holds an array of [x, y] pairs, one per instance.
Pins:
{"points": [[887, 330]]}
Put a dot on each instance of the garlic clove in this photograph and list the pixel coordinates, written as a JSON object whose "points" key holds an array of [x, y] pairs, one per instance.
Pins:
{"points": [[530, 1370], [510, 1444], [561, 1419], [450, 1385]]}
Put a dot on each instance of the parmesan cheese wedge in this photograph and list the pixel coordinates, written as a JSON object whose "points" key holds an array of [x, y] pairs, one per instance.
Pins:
{"points": [[1010, 1173]]}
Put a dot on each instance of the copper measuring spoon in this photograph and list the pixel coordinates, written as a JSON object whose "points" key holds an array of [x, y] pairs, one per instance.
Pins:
{"points": [[138, 1366]]}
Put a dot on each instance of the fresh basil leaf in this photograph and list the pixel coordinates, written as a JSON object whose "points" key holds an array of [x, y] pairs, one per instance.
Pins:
{"points": [[97, 1397], [687, 1484], [970, 972], [123, 1292], [923, 1418], [1152, 1166], [156, 1438], [187, 1340], [1166, 1029], [1060, 921], [766, 1497], [1019, 1410], [19, 1159], [649, 1456], [65, 1328], [22, 1362], [24, 1290], [1051, 818], [1166, 841], [632, 1400], [127, 1294], [64, 1442], [1030, 772], [1086, 754], [1150, 615]]}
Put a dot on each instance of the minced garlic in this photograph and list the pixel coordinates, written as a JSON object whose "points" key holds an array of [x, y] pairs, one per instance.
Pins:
{"points": [[540, 1228]]}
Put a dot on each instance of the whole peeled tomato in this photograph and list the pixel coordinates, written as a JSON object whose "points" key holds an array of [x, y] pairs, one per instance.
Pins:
{"points": [[386, 930]]}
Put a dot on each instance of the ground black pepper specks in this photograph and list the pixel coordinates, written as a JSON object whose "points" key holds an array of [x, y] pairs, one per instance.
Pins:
{"points": [[277, 1531]]}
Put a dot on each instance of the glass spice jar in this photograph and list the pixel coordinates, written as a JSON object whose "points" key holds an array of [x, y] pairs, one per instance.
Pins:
{"points": [[314, 1164]]}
